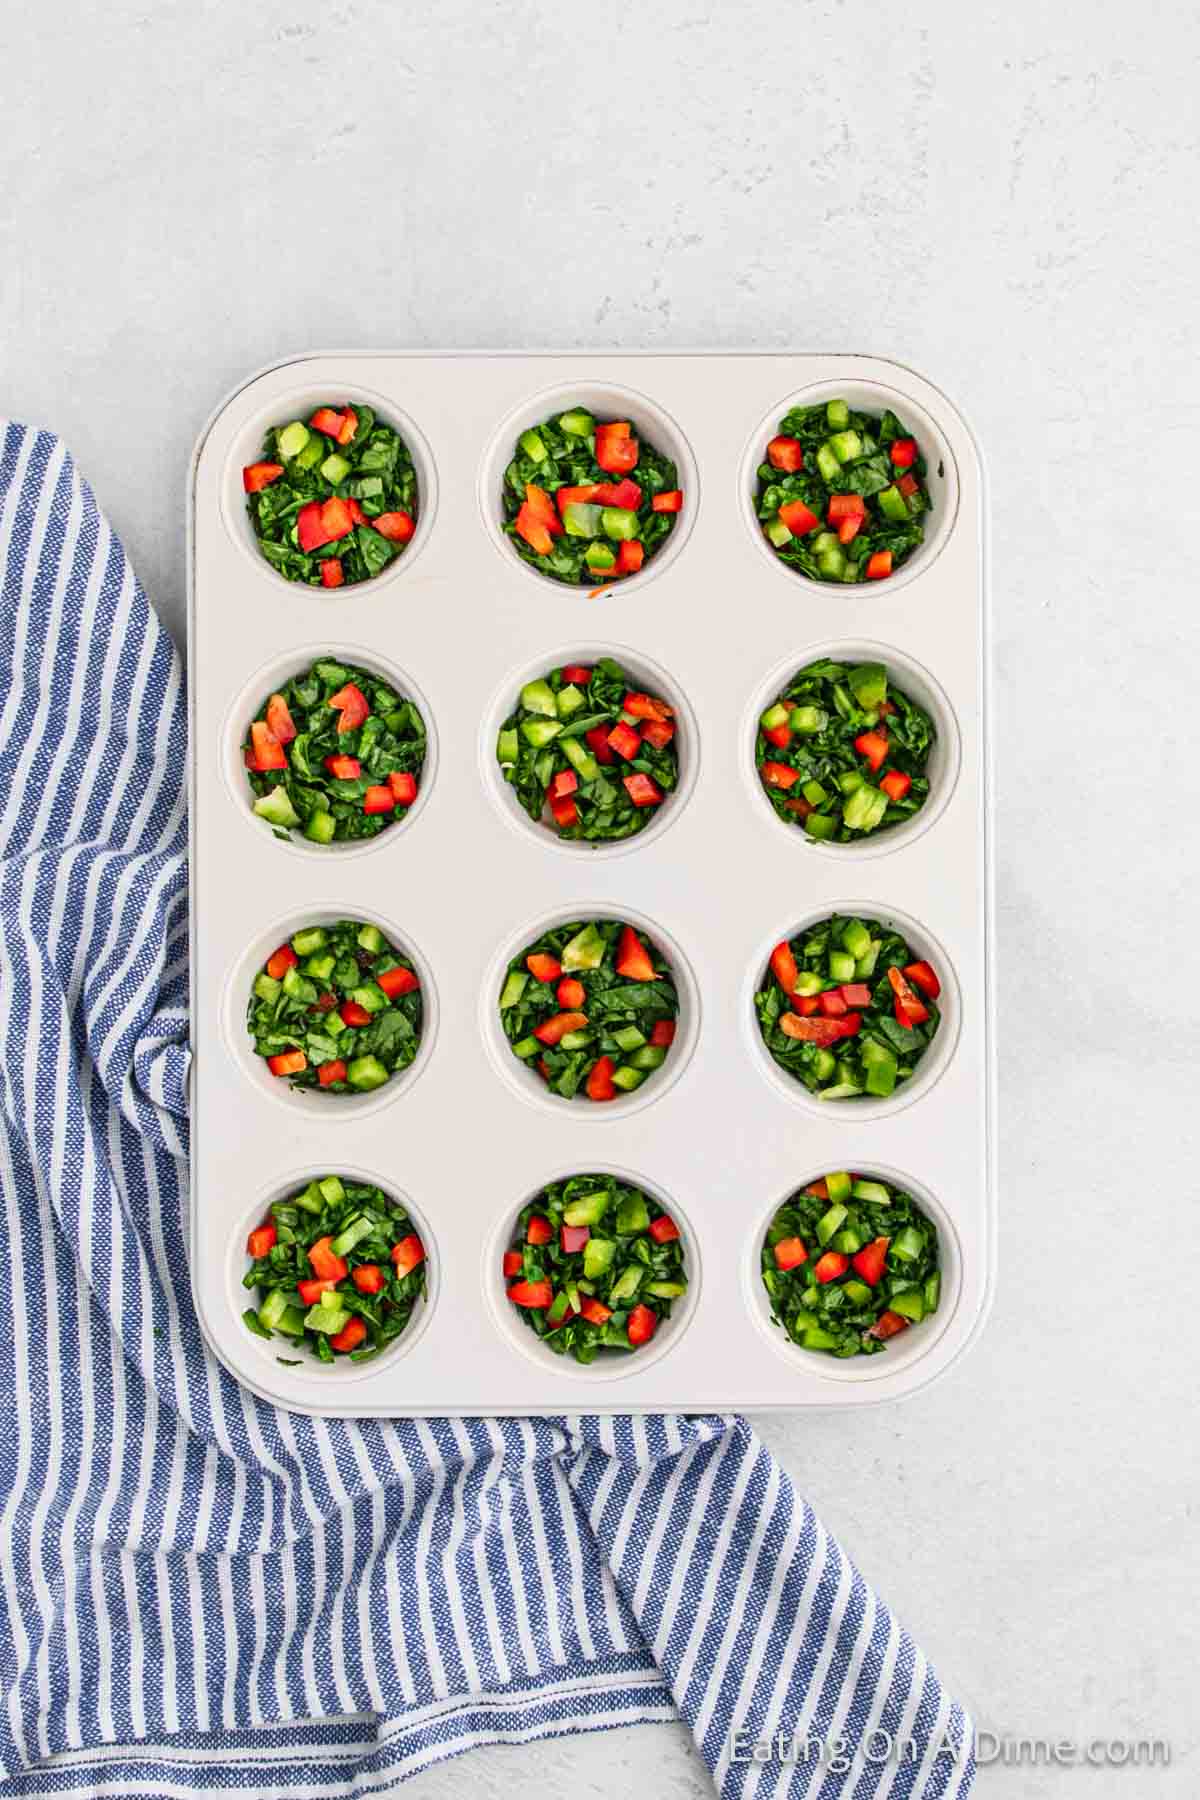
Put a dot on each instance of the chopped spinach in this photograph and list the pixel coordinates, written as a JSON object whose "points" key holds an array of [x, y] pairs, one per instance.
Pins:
{"points": [[849, 1263], [842, 494], [332, 501], [594, 1266], [324, 769], [842, 752], [338, 1268], [336, 1008], [845, 1008], [588, 754], [587, 501], [592, 1007]]}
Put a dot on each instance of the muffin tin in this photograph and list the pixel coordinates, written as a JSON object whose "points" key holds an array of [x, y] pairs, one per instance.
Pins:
{"points": [[715, 623]]}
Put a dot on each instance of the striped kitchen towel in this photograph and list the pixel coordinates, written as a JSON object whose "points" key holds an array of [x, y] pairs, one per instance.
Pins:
{"points": [[202, 1592]]}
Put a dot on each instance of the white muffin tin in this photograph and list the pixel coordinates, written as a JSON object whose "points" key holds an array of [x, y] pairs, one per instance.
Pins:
{"points": [[466, 1136]]}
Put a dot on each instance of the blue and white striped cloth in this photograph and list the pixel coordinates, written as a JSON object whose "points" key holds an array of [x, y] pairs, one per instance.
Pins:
{"points": [[201, 1592]]}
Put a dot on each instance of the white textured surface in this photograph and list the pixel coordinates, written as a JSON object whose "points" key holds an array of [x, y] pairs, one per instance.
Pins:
{"points": [[1002, 195]]}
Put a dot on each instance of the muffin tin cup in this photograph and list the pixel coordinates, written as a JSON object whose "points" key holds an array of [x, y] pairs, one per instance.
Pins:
{"points": [[902, 1353], [466, 1135], [266, 681], [610, 1365], [343, 1371]]}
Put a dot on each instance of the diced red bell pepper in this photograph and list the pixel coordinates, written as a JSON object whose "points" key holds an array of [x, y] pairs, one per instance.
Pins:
{"points": [[349, 1337], [597, 742], [845, 506], [670, 502], [896, 784], [870, 1260], [565, 813], [356, 511], [633, 959], [664, 1230], [879, 565], [625, 493], [830, 1266], [563, 1319], [403, 786], [645, 706], [351, 703], [257, 476], [573, 1238], [642, 789], [348, 427], [407, 1255], [885, 706], [542, 508], [309, 530], [262, 1239], [379, 799], [344, 768], [539, 1230], [856, 993], [330, 1072], [327, 1265], [335, 519], [790, 1253], [616, 448], [513, 1263], [904, 453], [800, 806], [819, 1190], [874, 746], [778, 735], [785, 453], [279, 719], [543, 967], [368, 1278], [552, 1031], [849, 529], [397, 981], [631, 554], [798, 518], [327, 420], [577, 674], [267, 750], [351, 1013], [564, 783], [543, 1068], [642, 1325], [280, 961], [570, 994], [600, 1084], [832, 1004], [311, 1291], [533, 530], [332, 573], [594, 1311], [888, 1325], [288, 1062], [324, 1003], [396, 527], [908, 485], [909, 1011], [624, 740], [923, 976], [577, 496], [531, 1293], [783, 967], [779, 775], [806, 1004], [820, 1031], [662, 1033], [658, 732]]}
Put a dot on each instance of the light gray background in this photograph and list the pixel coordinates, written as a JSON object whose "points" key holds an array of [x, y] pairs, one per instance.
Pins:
{"points": [[1003, 195]]}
